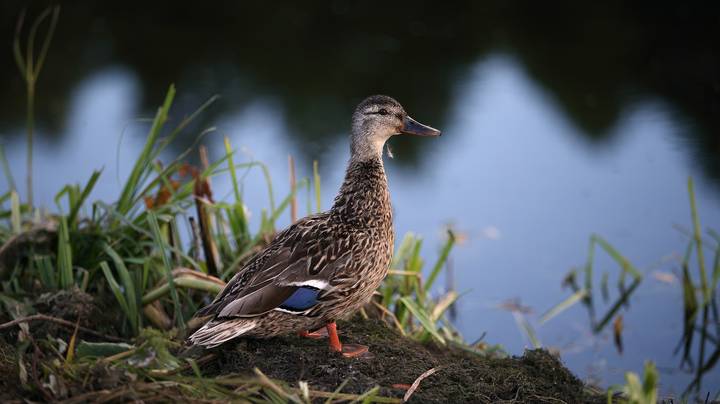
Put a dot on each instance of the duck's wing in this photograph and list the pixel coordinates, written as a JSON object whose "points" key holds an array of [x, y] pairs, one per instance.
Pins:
{"points": [[288, 275]]}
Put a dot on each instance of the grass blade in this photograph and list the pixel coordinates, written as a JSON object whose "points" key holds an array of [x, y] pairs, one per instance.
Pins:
{"points": [[64, 255], [293, 185], [15, 218], [6, 169], [316, 181], [564, 305], [697, 236], [144, 161], [589, 266], [618, 304], [30, 69], [423, 317], [280, 209], [128, 285], [46, 272], [309, 199], [716, 269], [444, 253], [186, 282], [526, 328], [625, 265], [231, 167], [116, 289], [157, 238], [690, 305], [443, 304], [83, 196]]}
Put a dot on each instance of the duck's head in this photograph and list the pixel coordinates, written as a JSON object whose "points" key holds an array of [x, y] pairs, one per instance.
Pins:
{"points": [[376, 120]]}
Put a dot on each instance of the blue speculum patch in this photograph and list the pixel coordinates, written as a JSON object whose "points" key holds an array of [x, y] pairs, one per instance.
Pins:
{"points": [[302, 299]]}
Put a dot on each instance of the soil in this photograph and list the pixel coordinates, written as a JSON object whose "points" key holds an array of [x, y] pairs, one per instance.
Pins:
{"points": [[394, 364], [461, 376], [9, 380], [72, 305]]}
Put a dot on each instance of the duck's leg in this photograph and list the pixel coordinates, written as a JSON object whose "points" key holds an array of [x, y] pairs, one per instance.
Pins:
{"points": [[320, 333], [347, 350]]}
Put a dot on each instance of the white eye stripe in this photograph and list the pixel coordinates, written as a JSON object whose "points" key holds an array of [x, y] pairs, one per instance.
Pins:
{"points": [[379, 108]]}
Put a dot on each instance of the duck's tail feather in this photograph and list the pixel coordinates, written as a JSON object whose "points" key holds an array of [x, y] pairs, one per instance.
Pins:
{"points": [[214, 333]]}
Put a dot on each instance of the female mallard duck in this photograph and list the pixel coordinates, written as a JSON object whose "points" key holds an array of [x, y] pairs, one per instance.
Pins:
{"points": [[325, 266]]}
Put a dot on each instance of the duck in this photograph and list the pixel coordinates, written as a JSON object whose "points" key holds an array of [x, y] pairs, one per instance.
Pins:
{"points": [[326, 266]]}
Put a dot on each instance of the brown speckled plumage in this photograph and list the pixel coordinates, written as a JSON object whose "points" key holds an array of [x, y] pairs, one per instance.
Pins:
{"points": [[341, 255]]}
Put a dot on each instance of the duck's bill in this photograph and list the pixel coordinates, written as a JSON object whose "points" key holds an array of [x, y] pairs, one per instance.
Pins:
{"points": [[413, 127]]}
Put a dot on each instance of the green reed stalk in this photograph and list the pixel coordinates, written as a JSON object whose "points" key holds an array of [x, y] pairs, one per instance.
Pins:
{"points": [[15, 213], [316, 180], [30, 68], [698, 242], [231, 167], [6, 169]]}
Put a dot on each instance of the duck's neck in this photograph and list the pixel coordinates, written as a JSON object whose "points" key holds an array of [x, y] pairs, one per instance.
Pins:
{"points": [[364, 198]]}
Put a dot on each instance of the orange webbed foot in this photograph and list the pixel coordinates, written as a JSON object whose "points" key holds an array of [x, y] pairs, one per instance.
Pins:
{"points": [[317, 334], [347, 350], [355, 351]]}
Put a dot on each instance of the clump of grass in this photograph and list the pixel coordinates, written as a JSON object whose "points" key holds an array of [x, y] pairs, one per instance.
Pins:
{"points": [[636, 392], [406, 301]]}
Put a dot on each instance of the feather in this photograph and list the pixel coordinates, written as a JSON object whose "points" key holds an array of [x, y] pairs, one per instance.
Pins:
{"points": [[313, 283], [302, 299], [215, 333], [258, 302]]}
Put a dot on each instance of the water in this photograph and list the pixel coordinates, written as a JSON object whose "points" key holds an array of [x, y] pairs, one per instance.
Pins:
{"points": [[550, 135]]}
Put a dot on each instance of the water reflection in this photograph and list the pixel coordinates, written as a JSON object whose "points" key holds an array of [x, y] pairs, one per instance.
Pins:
{"points": [[547, 190], [556, 136], [100, 110], [319, 60]]}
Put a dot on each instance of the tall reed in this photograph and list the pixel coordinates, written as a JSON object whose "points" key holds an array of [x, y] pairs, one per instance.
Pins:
{"points": [[30, 66]]}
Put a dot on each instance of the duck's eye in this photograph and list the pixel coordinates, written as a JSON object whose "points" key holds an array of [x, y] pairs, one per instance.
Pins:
{"points": [[383, 111]]}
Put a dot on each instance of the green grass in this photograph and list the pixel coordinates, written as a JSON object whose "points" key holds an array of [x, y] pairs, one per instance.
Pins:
{"points": [[635, 391], [405, 296]]}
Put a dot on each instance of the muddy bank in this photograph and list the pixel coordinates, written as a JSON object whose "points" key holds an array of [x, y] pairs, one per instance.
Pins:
{"points": [[535, 377], [396, 362]]}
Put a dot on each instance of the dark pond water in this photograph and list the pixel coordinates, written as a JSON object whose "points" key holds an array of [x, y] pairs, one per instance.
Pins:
{"points": [[558, 123]]}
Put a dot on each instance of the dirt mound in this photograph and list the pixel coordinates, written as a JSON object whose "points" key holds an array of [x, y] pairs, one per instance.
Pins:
{"points": [[396, 362], [461, 376]]}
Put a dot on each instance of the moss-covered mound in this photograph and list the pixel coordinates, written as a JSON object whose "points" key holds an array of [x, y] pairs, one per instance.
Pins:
{"points": [[461, 376], [394, 364]]}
